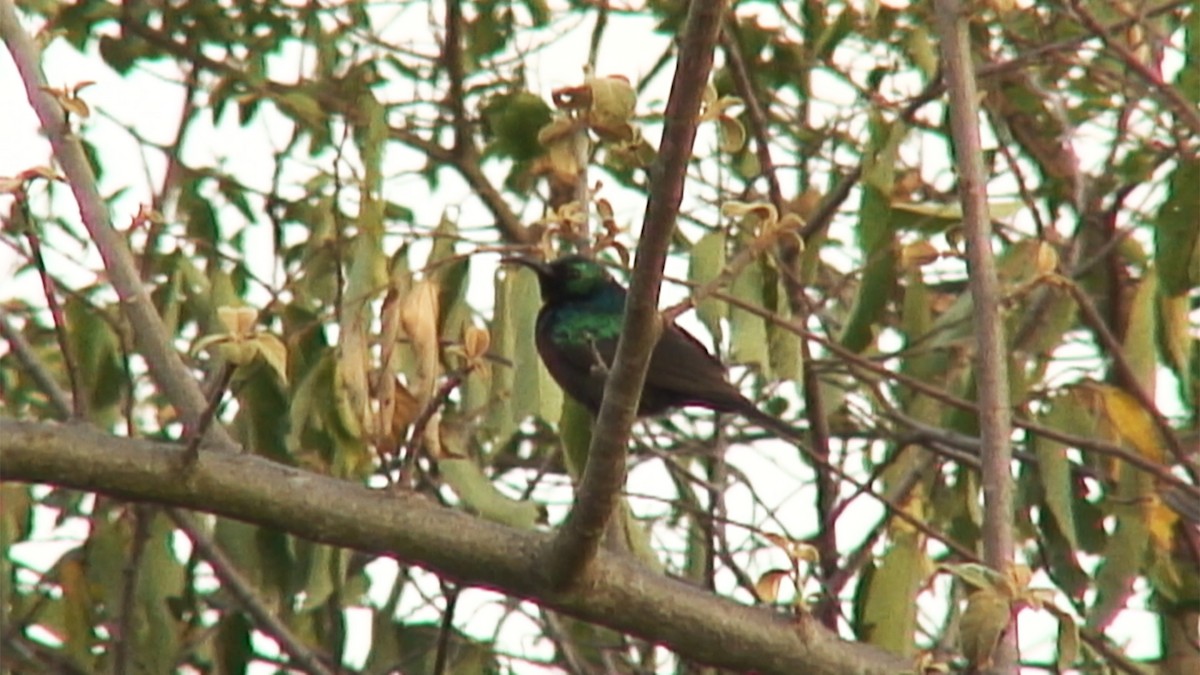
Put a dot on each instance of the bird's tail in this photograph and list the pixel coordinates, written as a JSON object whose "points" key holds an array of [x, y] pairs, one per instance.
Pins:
{"points": [[773, 424]]}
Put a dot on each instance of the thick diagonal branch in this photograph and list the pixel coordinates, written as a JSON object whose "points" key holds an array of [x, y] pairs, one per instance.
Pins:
{"points": [[579, 539], [621, 594]]}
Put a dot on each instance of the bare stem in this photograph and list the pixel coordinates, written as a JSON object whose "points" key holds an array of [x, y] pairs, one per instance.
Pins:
{"points": [[576, 544], [992, 366]]}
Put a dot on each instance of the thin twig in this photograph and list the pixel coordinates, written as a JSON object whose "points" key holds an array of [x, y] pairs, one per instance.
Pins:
{"points": [[1185, 110], [1129, 379], [49, 290], [419, 425], [452, 60], [450, 592], [247, 596], [758, 119], [60, 403], [215, 396], [1160, 472]]}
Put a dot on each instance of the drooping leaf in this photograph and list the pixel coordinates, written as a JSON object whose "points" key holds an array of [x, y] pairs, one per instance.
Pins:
{"points": [[888, 615], [748, 331], [705, 263], [1177, 230], [875, 237]]}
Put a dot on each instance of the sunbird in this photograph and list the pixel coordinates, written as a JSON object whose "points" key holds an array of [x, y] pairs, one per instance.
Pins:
{"points": [[583, 308]]}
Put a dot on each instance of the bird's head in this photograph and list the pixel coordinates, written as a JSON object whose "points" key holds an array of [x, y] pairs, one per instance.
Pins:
{"points": [[567, 278]]}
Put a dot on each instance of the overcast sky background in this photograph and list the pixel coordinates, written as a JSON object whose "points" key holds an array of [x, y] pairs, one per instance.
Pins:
{"points": [[149, 100]]}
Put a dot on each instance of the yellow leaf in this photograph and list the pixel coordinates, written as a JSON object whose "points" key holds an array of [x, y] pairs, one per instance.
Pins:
{"points": [[476, 342], [983, 624], [274, 352], [75, 106], [613, 102], [760, 210], [918, 254], [1131, 422], [795, 550], [419, 317], [236, 352], [978, 576], [1161, 520], [732, 134], [238, 321], [767, 586], [559, 128]]}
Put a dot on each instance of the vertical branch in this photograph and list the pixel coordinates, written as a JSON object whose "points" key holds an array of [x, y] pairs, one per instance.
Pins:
{"points": [[445, 632], [576, 544], [732, 50], [130, 573], [789, 254], [456, 95], [991, 370]]}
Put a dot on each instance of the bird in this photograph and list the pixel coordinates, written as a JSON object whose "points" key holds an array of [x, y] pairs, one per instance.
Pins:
{"points": [[577, 328]]}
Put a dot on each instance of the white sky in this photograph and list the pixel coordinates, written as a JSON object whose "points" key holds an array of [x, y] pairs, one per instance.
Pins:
{"points": [[149, 100]]}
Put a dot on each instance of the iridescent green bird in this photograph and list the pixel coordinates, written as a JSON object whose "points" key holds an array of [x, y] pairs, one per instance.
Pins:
{"points": [[578, 326]]}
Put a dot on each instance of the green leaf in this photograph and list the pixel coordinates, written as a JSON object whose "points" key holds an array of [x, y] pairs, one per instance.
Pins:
{"points": [[160, 580], [261, 423], [505, 328], [513, 121], [1120, 563], [1178, 345], [1140, 343], [575, 430], [984, 621], [78, 617], [1054, 468], [323, 569], [875, 237], [234, 650], [747, 331], [452, 274], [478, 493], [783, 345], [1177, 231], [98, 357], [705, 263], [887, 614]]}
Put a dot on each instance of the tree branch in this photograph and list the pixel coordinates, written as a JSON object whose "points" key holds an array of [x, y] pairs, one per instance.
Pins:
{"points": [[620, 594], [992, 366], [599, 491], [248, 598], [57, 399], [1185, 110], [154, 343]]}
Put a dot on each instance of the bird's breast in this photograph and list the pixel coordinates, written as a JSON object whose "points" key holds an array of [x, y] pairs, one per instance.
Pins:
{"points": [[571, 325]]}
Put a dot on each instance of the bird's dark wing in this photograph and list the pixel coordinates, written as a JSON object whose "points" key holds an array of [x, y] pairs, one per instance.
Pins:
{"points": [[683, 372]]}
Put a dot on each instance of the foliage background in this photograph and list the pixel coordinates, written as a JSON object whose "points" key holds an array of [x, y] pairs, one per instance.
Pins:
{"points": [[349, 172]]}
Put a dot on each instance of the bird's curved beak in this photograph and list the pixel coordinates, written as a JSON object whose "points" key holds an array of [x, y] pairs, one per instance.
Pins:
{"points": [[542, 269]]}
